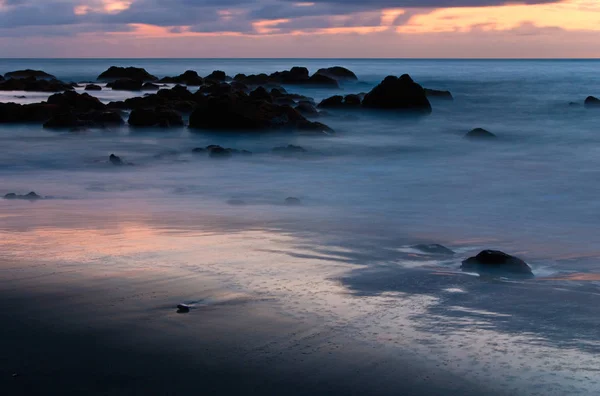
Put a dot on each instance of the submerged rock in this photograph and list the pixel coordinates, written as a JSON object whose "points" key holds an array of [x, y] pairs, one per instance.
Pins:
{"points": [[338, 73], [93, 87], [132, 73], [592, 101], [292, 201], [34, 85], [480, 133], [183, 308], [434, 93], [433, 248], [27, 73], [289, 150], [395, 93], [219, 152], [32, 196], [494, 261], [339, 101], [115, 160]]}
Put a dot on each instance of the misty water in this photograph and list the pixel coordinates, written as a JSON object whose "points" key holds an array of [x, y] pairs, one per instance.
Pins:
{"points": [[377, 186]]}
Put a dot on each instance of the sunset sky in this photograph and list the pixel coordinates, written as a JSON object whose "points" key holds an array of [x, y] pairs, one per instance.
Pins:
{"points": [[288, 28]]}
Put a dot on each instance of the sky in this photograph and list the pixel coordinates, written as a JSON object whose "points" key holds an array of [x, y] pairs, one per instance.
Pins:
{"points": [[290, 28]]}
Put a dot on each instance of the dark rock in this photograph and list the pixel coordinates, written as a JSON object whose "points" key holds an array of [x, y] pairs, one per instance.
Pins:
{"points": [[338, 101], [395, 93], [115, 160], [219, 152], [159, 116], [217, 75], [338, 73], [289, 150], [296, 75], [125, 84], [480, 133], [434, 248], [434, 93], [183, 308], [66, 120], [592, 101], [93, 87], [352, 100], [32, 196], [130, 73], [28, 73], [199, 150], [493, 261], [34, 85], [260, 94], [102, 119], [150, 87], [28, 113], [239, 111], [307, 109], [323, 81], [574, 104], [190, 77], [292, 201], [76, 101]]}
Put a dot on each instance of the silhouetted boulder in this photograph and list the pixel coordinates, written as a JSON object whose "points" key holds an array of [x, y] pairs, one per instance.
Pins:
{"points": [[239, 111], [115, 160], [261, 94], [190, 77], [323, 81], [79, 102], [395, 93], [296, 75], [27, 113], [338, 73], [493, 261], [292, 201], [219, 152], [34, 85], [339, 101], [37, 74], [125, 84], [480, 133], [162, 117], [150, 87], [434, 93], [307, 109], [433, 248], [93, 87], [217, 75], [592, 101], [130, 73], [32, 196]]}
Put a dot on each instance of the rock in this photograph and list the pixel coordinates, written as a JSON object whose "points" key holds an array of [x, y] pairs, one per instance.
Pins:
{"points": [[434, 93], [323, 81], [592, 101], [199, 150], [480, 133], [130, 73], [296, 75], [150, 87], [292, 201], [93, 87], [28, 113], [159, 116], [238, 111], [490, 261], [76, 101], [115, 160], [289, 150], [433, 248], [28, 73], [183, 308], [338, 73], [574, 104], [32, 196], [34, 85], [125, 84], [217, 75], [66, 120], [260, 94], [190, 77], [102, 119], [307, 109], [339, 101], [395, 93], [219, 152]]}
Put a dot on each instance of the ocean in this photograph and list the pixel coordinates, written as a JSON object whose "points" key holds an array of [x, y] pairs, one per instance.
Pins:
{"points": [[370, 191]]}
